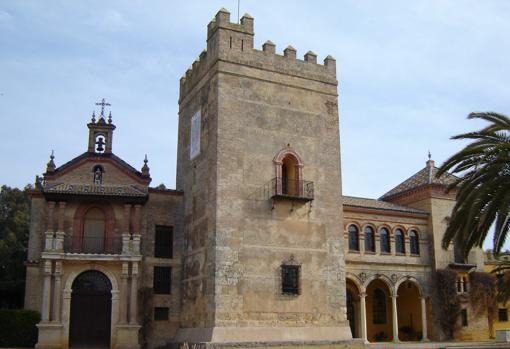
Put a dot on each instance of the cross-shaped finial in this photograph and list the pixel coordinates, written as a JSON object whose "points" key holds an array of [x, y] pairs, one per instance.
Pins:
{"points": [[430, 155], [103, 104]]}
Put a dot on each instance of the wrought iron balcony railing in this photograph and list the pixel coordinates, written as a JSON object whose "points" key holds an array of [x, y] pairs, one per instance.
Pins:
{"points": [[290, 189], [92, 245]]}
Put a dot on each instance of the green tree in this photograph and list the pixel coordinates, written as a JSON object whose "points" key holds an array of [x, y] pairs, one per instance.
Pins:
{"points": [[14, 229], [483, 184]]}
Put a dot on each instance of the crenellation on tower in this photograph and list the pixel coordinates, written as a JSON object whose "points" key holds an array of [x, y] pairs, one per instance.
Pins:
{"points": [[330, 63], [268, 47], [290, 52], [310, 57], [229, 42]]}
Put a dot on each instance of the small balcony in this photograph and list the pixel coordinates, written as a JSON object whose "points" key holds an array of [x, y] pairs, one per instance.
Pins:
{"points": [[93, 245], [291, 189]]}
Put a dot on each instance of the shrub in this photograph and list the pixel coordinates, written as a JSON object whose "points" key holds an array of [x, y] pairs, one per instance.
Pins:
{"points": [[482, 295], [380, 336], [446, 302], [17, 327]]}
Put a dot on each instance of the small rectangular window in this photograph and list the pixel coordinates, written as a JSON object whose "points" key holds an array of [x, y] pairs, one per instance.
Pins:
{"points": [[163, 242], [502, 314], [162, 280], [463, 314], [160, 314], [290, 279]]}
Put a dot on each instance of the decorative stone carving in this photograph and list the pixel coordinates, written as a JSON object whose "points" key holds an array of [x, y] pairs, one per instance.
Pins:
{"points": [[363, 277]]}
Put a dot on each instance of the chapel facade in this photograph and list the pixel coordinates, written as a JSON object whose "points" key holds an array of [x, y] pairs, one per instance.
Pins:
{"points": [[257, 243]]}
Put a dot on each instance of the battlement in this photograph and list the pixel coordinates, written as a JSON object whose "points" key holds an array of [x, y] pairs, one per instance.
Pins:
{"points": [[233, 43]]}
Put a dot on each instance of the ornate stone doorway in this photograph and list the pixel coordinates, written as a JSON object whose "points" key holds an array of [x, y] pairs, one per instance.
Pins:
{"points": [[91, 304]]}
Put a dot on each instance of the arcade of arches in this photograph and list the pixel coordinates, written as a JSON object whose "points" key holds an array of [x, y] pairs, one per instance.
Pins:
{"points": [[379, 311]]}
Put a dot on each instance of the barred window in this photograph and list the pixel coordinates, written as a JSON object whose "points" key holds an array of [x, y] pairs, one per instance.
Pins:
{"points": [[414, 242], [163, 242], [502, 314], [160, 313], [385, 240], [353, 238], [379, 307], [162, 280], [290, 279], [369, 239]]}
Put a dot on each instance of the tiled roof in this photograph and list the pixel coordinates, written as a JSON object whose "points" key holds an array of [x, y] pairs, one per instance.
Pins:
{"points": [[423, 177], [378, 204]]}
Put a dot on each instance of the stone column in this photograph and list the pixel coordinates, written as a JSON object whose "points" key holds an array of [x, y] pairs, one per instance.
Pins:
{"points": [[394, 317], [46, 301], [57, 296], [49, 241], [424, 318], [133, 307], [125, 244], [363, 313], [136, 244], [123, 293]]}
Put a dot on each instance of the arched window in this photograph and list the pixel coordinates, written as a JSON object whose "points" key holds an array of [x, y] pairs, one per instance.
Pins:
{"points": [[379, 307], [385, 240], [353, 238], [100, 144], [94, 231], [399, 241], [290, 175], [369, 239], [414, 242]]}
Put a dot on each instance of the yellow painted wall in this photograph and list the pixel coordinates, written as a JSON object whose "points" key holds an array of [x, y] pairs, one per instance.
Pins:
{"points": [[409, 309], [373, 329]]}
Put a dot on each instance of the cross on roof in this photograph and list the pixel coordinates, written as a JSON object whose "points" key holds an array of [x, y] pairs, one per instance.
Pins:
{"points": [[103, 104]]}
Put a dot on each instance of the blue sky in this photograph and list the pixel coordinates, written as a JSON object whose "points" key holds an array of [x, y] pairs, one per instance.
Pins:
{"points": [[409, 73]]}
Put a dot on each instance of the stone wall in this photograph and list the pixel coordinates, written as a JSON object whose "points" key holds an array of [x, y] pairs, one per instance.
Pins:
{"points": [[253, 105], [163, 208]]}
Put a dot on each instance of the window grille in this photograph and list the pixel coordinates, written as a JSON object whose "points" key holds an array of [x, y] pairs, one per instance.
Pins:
{"points": [[160, 314], [290, 279], [163, 242], [502, 314], [162, 280]]}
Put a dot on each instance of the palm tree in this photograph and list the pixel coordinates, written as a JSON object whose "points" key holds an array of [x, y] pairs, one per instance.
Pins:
{"points": [[483, 185]]}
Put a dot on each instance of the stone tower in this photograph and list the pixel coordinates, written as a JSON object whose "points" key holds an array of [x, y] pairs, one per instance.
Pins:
{"points": [[259, 164]]}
